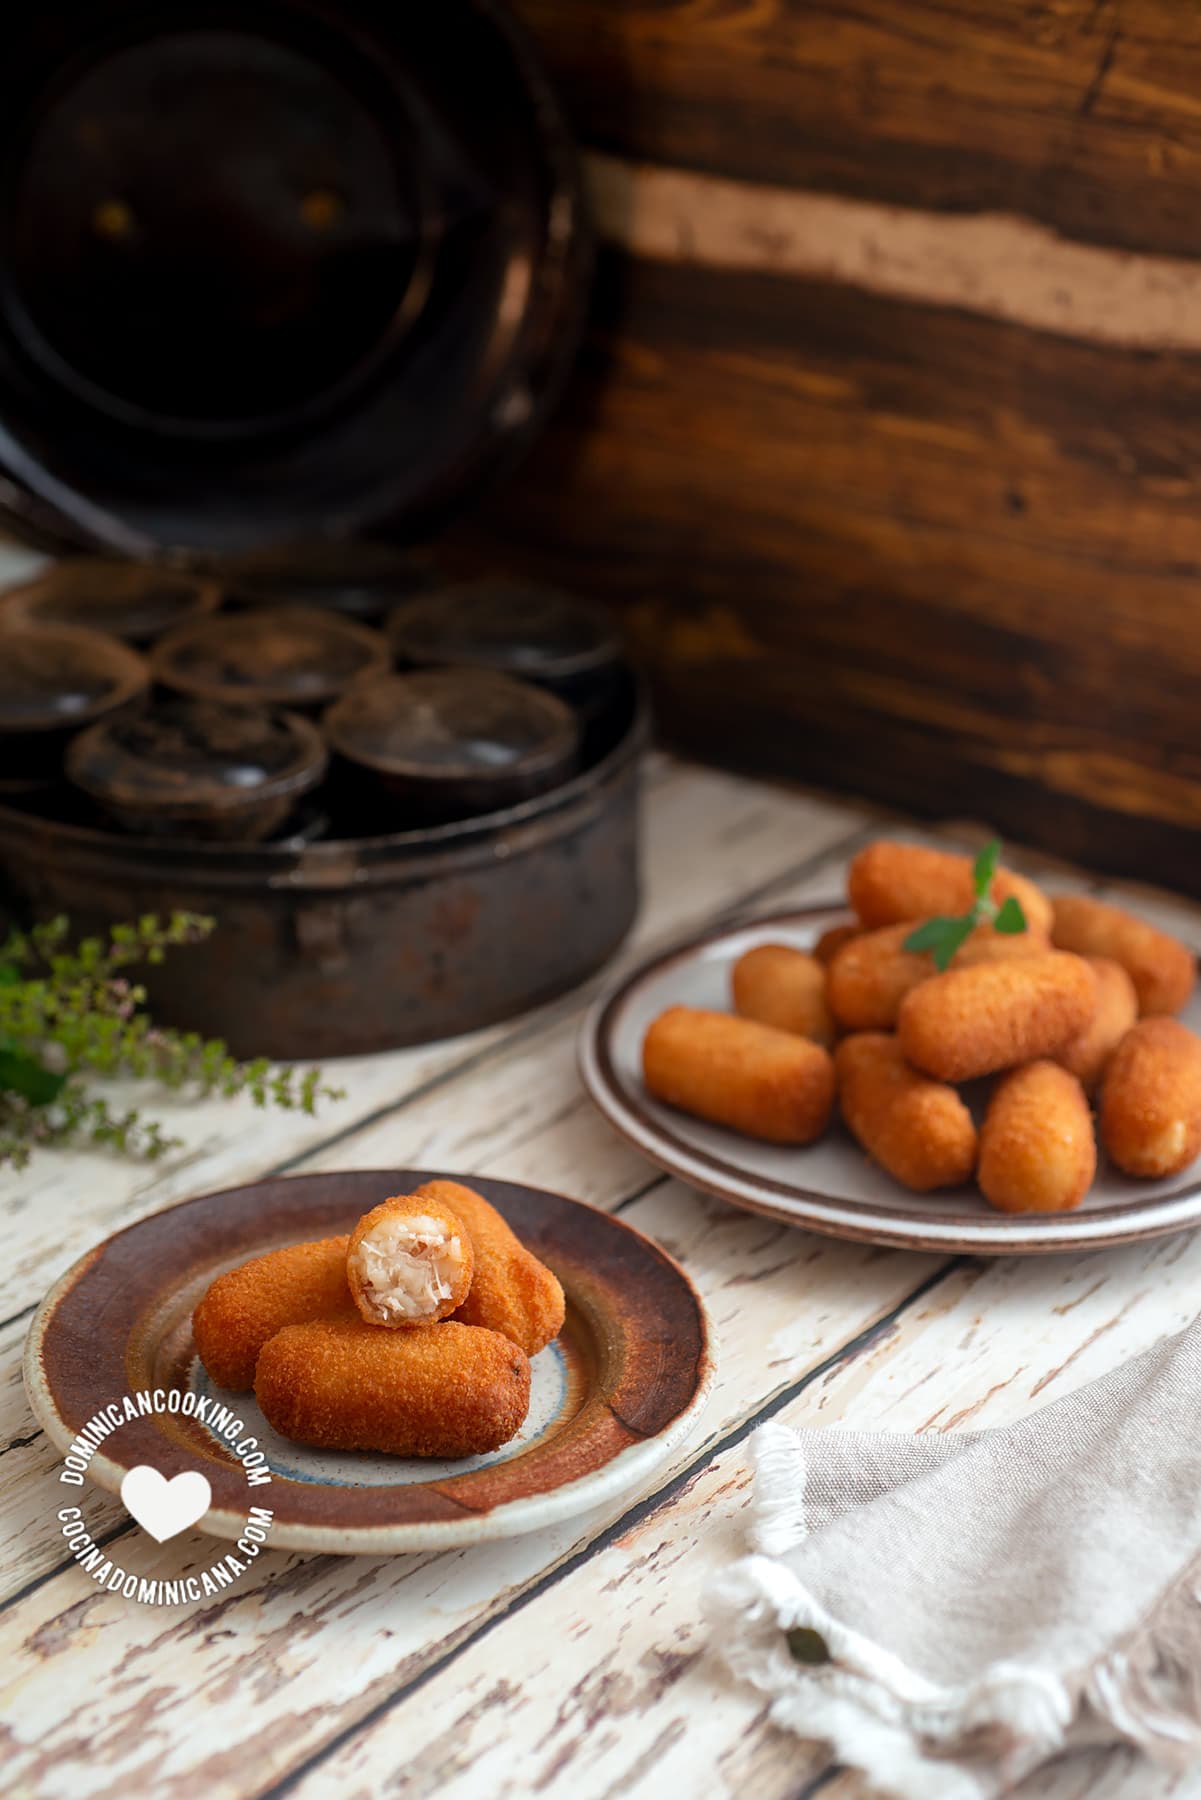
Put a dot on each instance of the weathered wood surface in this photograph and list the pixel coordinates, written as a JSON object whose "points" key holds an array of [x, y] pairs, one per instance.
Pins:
{"points": [[573, 1662], [1082, 114], [886, 440]]}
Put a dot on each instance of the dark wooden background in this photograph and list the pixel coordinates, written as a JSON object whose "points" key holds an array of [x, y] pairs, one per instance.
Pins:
{"points": [[886, 438]]}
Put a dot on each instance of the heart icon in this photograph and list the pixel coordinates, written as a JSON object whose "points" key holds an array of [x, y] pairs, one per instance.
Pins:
{"points": [[165, 1508]]}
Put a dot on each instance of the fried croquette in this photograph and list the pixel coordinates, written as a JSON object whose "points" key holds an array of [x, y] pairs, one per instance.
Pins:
{"points": [[989, 945], [888, 882], [436, 1390], [1151, 1099], [780, 986], [870, 976], [409, 1261], [974, 1021], [1037, 1149], [833, 938], [736, 1072], [1163, 970], [1086, 1055], [248, 1305], [511, 1291], [917, 1129]]}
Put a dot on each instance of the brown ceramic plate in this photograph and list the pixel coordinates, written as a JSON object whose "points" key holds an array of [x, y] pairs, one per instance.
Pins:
{"points": [[831, 1186], [611, 1397]]}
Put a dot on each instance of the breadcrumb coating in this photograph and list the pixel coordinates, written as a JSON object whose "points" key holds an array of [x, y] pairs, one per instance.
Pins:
{"points": [[511, 1291], [1086, 1055], [833, 938], [888, 882], [974, 1021], [248, 1305], [1163, 970], [917, 1129], [871, 975], [436, 1390], [1037, 1148], [781, 986], [751, 1077], [1151, 1099]]}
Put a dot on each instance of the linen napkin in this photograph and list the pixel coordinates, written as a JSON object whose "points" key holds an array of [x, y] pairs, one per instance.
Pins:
{"points": [[949, 1612]]}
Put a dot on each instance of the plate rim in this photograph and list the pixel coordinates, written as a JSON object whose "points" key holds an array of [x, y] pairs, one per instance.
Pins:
{"points": [[620, 1475], [1029, 1234]]}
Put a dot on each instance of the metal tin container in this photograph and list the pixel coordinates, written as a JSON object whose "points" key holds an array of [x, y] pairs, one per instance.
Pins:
{"points": [[354, 945]]}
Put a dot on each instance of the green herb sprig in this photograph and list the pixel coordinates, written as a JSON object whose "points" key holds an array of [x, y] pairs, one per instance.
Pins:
{"points": [[69, 1011], [943, 936]]}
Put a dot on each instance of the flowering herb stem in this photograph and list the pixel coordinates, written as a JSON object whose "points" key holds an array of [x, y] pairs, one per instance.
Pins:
{"points": [[68, 1011]]}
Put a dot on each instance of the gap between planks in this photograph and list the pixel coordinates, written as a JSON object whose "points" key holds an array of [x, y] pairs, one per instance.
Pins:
{"points": [[514, 1061], [634, 1516], [649, 1506]]}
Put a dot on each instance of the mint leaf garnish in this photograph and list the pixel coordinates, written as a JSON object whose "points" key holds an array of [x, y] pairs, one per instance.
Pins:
{"points": [[984, 868], [943, 936], [1011, 919]]}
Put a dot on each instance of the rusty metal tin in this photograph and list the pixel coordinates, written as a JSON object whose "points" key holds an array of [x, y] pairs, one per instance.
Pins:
{"points": [[347, 946]]}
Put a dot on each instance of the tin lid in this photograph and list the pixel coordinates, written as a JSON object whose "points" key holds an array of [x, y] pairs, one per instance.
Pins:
{"points": [[462, 731], [180, 758], [332, 257], [535, 633], [279, 656], [131, 600], [57, 677]]}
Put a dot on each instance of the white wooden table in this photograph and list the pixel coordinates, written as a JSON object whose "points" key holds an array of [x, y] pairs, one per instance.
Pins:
{"points": [[572, 1663]]}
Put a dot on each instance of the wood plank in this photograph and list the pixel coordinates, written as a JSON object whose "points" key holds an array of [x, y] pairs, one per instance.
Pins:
{"points": [[518, 1114], [98, 1693], [990, 263], [710, 841], [605, 1684], [954, 580], [1083, 114]]}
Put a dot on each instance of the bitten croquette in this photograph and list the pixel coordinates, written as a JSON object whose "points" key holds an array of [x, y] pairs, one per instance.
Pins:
{"points": [[409, 1261], [446, 1389]]}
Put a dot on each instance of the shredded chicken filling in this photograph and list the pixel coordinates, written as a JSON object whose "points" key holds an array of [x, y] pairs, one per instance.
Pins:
{"points": [[408, 1267]]}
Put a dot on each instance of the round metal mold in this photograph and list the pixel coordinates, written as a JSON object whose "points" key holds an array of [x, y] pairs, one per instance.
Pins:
{"points": [[534, 633], [53, 680], [196, 769], [294, 656], [136, 602], [453, 743], [362, 581]]}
